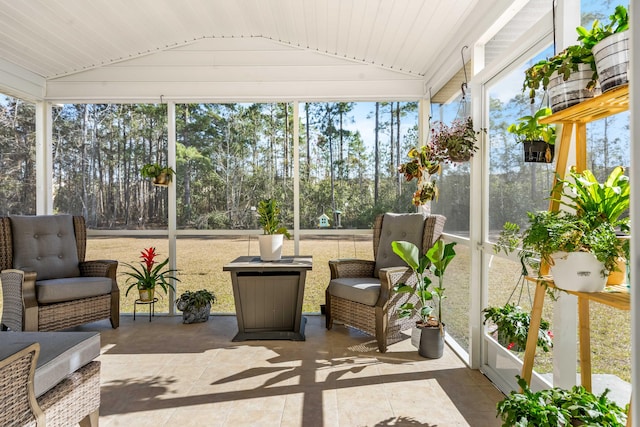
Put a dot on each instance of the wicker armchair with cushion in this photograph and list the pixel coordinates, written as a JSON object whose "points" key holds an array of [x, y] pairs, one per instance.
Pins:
{"points": [[46, 283], [49, 378], [360, 293]]}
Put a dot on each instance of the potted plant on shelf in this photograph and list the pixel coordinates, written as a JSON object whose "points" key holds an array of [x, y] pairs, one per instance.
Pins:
{"points": [[457, 142], [570, 77], [161, 175], [610, 47], [272, 240], [538, 139], [559, 407], [579, 254], [512, 327], [600, 203], [435, 261], [149, 275], [195, 305]]}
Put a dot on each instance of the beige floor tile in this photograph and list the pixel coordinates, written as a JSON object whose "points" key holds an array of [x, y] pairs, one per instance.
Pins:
{"points": [[165, 373]]}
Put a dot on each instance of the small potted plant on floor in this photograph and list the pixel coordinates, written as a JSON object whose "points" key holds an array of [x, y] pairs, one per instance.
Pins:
{"points": [[559, 407], [512, 327], [195, 305], [274, 232], [537, 139], [434, 261], [149, 275], [161, 175]]}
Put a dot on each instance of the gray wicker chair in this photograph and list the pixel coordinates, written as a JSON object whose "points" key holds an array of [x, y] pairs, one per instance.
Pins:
{"points": [[360, 293], [33, 250], [74, 400]]}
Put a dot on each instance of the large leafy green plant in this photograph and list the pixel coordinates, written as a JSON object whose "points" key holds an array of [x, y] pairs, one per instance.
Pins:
{"points": [[269, 218], [597, 202], [559, 407], [618, 22], [558, 231], [435, 261]]}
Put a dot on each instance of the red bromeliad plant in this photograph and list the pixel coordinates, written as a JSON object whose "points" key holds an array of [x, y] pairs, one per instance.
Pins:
{"points": [[150, 274]]}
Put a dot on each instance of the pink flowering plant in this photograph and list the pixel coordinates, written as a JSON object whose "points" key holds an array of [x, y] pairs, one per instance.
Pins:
{"points": [[456, 142], [150, 273]]}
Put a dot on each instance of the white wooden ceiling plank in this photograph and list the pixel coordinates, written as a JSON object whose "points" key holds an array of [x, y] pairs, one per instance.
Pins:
{"points": [[366, 30], [311, 25], [321, 24], [343, 34], [299, 35]]}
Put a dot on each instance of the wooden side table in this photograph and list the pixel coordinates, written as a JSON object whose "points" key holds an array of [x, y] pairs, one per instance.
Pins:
{"points": [[268, 297]]}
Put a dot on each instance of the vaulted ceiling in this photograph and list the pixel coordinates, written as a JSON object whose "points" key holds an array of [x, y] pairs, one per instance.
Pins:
{"points": [[119, 50]]}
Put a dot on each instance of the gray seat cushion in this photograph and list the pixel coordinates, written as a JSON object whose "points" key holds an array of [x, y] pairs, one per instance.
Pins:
{"points": [[45, 244], [407, 227], [364, 290], [61, 353], [71, 288]]}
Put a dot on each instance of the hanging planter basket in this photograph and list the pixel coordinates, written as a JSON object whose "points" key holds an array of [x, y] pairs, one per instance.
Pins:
{"points": [[538, 151]]}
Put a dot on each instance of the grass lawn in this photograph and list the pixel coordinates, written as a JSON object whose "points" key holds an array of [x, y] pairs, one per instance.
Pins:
{"points": [[200, 262]]}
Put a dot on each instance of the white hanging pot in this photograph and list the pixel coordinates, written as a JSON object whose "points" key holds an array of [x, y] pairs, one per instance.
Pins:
{"points": [[271, 246], [612, 60], [578, 271]]}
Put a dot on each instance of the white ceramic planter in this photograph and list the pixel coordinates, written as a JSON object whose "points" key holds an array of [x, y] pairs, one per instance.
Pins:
{"points": [[271, 246], [564, 94], [612, 60], [578, 271]]}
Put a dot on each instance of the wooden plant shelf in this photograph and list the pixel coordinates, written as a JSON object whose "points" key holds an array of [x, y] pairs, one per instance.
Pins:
{"points": [[611, 102], [617, 296]]}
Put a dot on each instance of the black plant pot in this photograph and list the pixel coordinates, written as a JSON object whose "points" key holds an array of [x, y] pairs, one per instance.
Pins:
{"points": [[538, 152], [431, 342]]}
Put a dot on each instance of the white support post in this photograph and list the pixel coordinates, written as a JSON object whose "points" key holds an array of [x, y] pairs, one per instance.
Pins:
{"points": [[634, 262], [296, 177], [565, 318], [171, 159], [478, 202], [44, 159]]}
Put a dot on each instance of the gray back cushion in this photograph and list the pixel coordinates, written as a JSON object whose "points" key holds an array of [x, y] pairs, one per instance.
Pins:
{"points": [[45, 244], [408, 227]]}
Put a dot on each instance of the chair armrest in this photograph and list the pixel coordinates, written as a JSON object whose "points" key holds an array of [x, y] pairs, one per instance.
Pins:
{"points": [[389, 278], [351, 268], [19, 303], [101, 268]]}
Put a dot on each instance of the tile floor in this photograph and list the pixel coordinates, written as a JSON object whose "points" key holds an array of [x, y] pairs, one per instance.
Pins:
{"points": [[165, 373]]}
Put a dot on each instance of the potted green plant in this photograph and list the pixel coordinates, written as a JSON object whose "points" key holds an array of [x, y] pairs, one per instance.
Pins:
{"points": [[609, 44], [570, 77], [457, 142], [195, 305], [512, 327], [149, 275], [600, 203], [161, 175], [434, 261], [424, 163], [538, 139], [580, 254], [274, 232], [559, 407]]}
